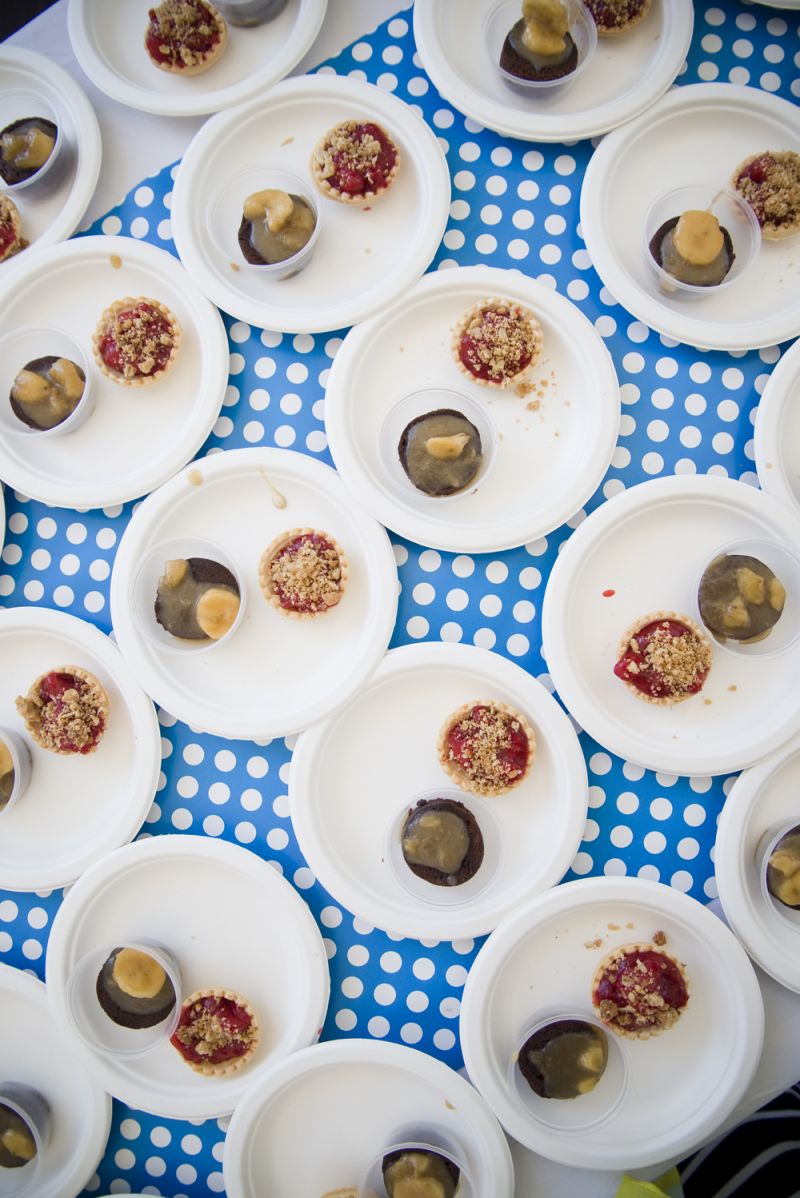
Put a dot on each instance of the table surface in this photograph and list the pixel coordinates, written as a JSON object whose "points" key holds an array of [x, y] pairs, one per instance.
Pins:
{"points": [[136, 144]]}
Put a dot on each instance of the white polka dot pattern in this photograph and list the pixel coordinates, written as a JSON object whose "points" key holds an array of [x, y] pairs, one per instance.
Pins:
{"points": [[683, 411]]}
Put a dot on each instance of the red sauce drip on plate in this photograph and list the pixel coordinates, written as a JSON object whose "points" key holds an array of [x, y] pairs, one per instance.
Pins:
{"points": [[354, 180], [608, 594], [235, 1020], [626, 984], [198, 41], [52, 689], [644, 677]]}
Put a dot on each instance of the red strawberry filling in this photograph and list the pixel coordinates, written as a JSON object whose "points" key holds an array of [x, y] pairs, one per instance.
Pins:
{"points": [[213, 1029]]}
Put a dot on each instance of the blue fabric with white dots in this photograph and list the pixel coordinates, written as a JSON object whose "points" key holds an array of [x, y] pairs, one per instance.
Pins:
{"points": [[684, 412]]}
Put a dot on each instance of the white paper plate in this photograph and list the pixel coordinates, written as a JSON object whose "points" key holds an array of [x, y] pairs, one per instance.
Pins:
{"points": [[232, 922], [275, 675], [357, 267], [626, 75], [695, 134], [136, 437], [682, 1083], [351, 1096], [108, 41], [33, 1052], [52, 217], [76, 809], [351, 777], [777, 434], [763, 799], [2, 517], [548, 461], [649, 546], [780, 3]]}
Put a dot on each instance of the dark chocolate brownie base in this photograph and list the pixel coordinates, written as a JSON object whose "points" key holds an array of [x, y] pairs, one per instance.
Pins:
{"points": [[402, 448], [249, 252], [521, 68], [474, 858], [658, 237], [12, 174]]}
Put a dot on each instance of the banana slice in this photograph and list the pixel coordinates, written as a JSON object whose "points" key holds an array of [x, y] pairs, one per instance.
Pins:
{"points": [[138, 974], [216, 611], [18, 1143], [6, 764]]}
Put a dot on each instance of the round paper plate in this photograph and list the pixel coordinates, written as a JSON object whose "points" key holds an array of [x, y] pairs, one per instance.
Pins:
{"points": [[76, 808], [352, 776], [33, 1053], [136, 437], [108, 41], [2, 517], [695, 134], [52, 217], [777, 435], [274, 675], [762, 801], [232, 922], [646, 549], [459, 44], [319, 1118], [780, 3], [681, 1083], [552, 446], [356, 267]]}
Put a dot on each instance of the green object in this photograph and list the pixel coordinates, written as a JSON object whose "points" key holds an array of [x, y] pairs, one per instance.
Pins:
{"points": [[666, 1186]]}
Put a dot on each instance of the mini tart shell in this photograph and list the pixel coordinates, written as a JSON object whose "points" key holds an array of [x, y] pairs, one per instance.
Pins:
{"points": [[222, 1068], [265, 580], [769, 231], [96, 689], [210, 58], [366, 197], [8, 212], [615, 955], [140, 380], [614, 30], [475, 310], [631, 631], [454, 770]]}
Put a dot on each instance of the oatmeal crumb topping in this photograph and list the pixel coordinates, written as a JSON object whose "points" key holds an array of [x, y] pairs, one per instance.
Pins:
{"points": [[186, 29], [776, 198], [487, 737], [614, 14], [645, 1008], [359, 151], [73, 720], [309, 575], [659, 938], [504, 342], [208, 1031], [139, 334], [677, 659]]}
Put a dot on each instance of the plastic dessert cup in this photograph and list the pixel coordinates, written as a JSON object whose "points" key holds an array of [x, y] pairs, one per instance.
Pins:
{"points": [[224, 216], [785, 566], [20, 754], [416, 1139], [582, 29], [25, 345], [431, 892], [587, 1110], [766, 846], [145, 589], [250, 12], [97, 1029], [733, 214], [16, 105], [419, 403], [34, 1111]]}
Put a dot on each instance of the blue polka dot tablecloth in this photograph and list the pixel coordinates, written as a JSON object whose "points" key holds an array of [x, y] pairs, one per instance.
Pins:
{"points": [[513, 205]]}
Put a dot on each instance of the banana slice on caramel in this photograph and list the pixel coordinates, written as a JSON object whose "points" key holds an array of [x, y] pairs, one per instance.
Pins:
{"points": [[216, 611], [138, 974]]}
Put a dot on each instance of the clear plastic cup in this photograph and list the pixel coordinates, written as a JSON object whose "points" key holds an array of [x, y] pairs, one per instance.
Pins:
{"points": [[29, 1106], [417, 1139], [250, 12], [224, 216], [97, 1029], [430, 892], [764, 850], [733, 214], [145, 589], [502, 18], [16, 105], [21, 759], [25, 345], [419, 403], [786, 568], [587, 1110]]}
